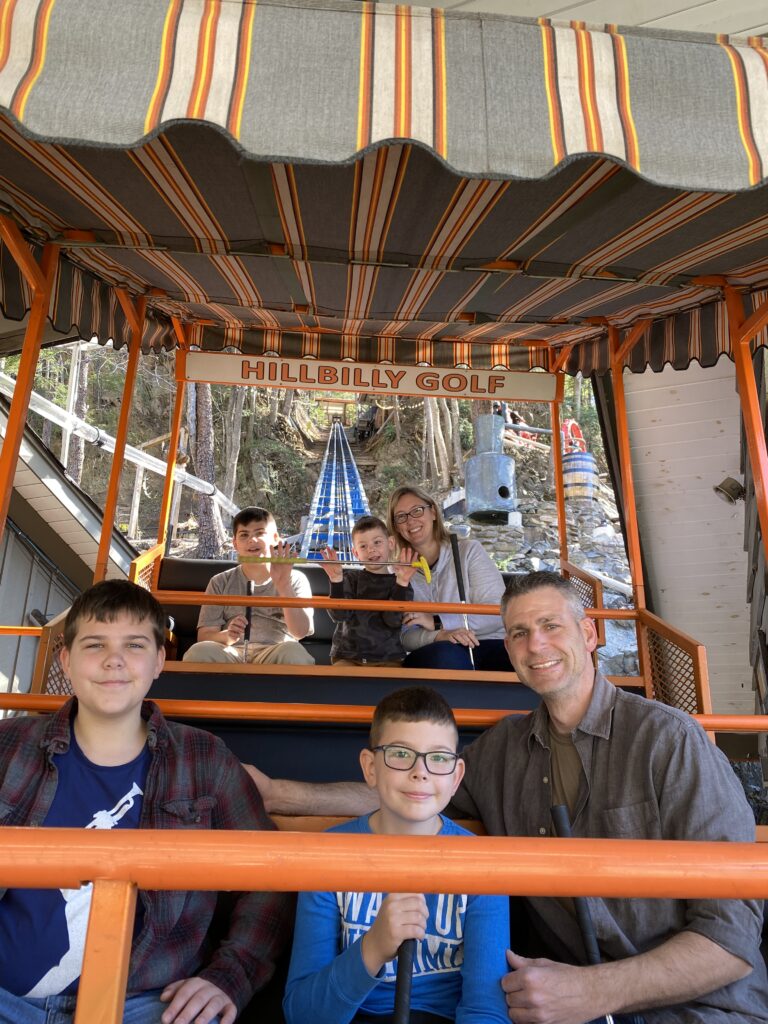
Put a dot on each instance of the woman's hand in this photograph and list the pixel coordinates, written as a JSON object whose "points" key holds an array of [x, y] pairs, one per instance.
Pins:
{"points": [[422, 619], [465, 637]]}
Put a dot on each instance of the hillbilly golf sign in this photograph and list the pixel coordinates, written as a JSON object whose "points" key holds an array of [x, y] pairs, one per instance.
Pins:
{"points": [[329, 375]]}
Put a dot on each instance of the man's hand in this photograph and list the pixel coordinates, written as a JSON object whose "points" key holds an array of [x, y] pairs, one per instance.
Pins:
{"points": [[281, 571], [196, 1001], [403, 915], [236, 629], [404, 573], [545, 992], [331, 565], [465, 637]]}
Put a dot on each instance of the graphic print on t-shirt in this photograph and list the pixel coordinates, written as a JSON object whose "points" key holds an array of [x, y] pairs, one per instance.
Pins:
{"points": [[78, 907], [42, 931], [440, 951]]}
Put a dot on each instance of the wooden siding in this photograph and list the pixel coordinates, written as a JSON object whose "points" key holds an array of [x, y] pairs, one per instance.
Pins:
{"points": [[685, 438]]}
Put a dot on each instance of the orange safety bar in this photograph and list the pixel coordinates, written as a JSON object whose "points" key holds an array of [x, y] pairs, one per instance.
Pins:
{"points": [[119, 862], [63, 858], [199, 598], [266, 711], [21, 630]]}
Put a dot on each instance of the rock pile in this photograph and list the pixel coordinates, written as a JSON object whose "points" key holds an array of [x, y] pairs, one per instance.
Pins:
{"points": [[595, 543]]}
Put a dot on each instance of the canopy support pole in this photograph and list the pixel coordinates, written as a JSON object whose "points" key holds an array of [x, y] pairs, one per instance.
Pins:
{"points": [[134, 314], [101, 993], [617, 352], [40, 281], [173, 444], [556, 365], [742, 330]]}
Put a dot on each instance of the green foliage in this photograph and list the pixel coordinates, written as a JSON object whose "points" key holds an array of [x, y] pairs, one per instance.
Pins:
{"points": [[466, 434]]}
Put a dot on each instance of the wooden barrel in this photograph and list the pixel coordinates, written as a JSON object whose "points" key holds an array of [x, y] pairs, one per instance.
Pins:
{"points": [[580, 479]]}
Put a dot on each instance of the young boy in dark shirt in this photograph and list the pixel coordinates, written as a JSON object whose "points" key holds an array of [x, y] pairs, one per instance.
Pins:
{"points": [[369, 638]]}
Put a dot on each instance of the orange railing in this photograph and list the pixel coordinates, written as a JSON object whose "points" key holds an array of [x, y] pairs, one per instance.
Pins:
{"points": [[120, 862], [673, 664]]}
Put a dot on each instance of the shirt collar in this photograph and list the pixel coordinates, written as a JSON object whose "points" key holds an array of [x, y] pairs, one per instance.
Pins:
{"points": [[596, 721], [56, 736]]}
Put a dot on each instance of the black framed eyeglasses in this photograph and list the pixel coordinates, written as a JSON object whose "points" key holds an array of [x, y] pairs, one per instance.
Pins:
{"points": [[402, 759], [415, 513]]}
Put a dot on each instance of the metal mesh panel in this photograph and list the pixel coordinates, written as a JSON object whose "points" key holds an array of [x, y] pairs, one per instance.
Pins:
{"points": [[56, 682], [586, 592], [672, 674], [144, 578]]}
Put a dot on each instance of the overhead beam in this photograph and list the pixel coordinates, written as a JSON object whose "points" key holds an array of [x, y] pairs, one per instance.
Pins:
{"points": [[21, 252]]}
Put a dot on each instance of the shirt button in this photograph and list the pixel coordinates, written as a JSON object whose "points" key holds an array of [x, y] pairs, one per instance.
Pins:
{"points": [[542, 831], [545, 779]]}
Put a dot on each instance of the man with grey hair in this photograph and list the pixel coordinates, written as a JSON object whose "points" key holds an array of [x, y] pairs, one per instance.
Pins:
{"points": [[625, 767]]}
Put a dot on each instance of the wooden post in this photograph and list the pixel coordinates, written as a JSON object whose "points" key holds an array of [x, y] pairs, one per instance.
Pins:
{"points": [[627, 480], [101, 992], [41, 281], [135, 316]]}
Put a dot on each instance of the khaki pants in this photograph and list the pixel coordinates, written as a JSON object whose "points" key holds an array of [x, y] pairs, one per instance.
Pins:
{"points": [[289, 652]]}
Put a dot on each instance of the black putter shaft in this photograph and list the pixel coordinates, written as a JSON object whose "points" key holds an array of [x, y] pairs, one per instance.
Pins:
{"points": [[562, 824], [405, 954], [460, 584], [248, 616]]}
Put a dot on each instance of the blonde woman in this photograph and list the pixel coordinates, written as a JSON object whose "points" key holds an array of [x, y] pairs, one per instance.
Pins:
{"points": [[416, 520]]}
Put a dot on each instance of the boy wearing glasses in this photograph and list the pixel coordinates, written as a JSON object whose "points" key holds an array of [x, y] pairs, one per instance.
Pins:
{"points": [[369, 638], [343, 965]]}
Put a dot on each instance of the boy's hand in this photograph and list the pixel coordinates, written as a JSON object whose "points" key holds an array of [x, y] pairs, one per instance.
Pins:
{"points": [[196, 1001], [403, 915], [335, 572], [236, 629], [404, 573], [281, 571]]}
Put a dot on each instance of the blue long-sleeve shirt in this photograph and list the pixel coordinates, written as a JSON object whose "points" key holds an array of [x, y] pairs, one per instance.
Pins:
{"points": [[457, 968]]}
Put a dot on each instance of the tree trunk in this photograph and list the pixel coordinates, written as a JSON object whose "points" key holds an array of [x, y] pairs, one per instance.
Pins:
{"points": [[274, 400], [429, 438], [441, 452], [76, 443], [192, 424], [287, 402], [233, 423], [211, 537], [458, 454], [396, 415], [46, 433], [447, 425], [577, 381]]}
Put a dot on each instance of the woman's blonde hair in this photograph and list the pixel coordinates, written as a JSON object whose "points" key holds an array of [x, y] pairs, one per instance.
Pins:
{"points": [[439, 531]]}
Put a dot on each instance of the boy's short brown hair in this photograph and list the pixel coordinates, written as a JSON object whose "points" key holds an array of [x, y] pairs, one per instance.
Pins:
{"points": [[369, 523], [411, 704], [251, 514], [104, 601]]}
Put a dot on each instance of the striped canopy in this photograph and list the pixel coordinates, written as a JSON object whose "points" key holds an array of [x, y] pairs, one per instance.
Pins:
{"points": [[356, 180]]}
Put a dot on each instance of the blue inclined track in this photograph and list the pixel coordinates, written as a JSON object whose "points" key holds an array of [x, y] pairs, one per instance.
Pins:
{"points": [[339, 500]]}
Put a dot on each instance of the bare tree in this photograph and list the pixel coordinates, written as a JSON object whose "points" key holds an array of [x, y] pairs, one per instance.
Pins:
{"points": [[233, 422], [287, 402], [429, 440], [76, 453], [396, 416], [211, 536], [441, 452], [274, 406], [577, 381], [458, 454]]}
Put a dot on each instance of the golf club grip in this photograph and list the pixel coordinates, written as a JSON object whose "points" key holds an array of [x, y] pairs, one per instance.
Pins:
{"points": [[405, 954], [562, 824], [457, 567], [248, 615]]}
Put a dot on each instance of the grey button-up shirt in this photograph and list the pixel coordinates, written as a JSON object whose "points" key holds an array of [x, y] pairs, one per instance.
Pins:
{"points": [[650, 772]]}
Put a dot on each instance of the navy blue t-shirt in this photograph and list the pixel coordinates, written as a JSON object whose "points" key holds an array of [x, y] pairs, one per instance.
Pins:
{"points": [[42, 931]]}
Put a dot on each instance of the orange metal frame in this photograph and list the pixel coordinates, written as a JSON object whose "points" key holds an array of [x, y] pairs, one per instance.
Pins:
{"points": [[119, 862]]}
